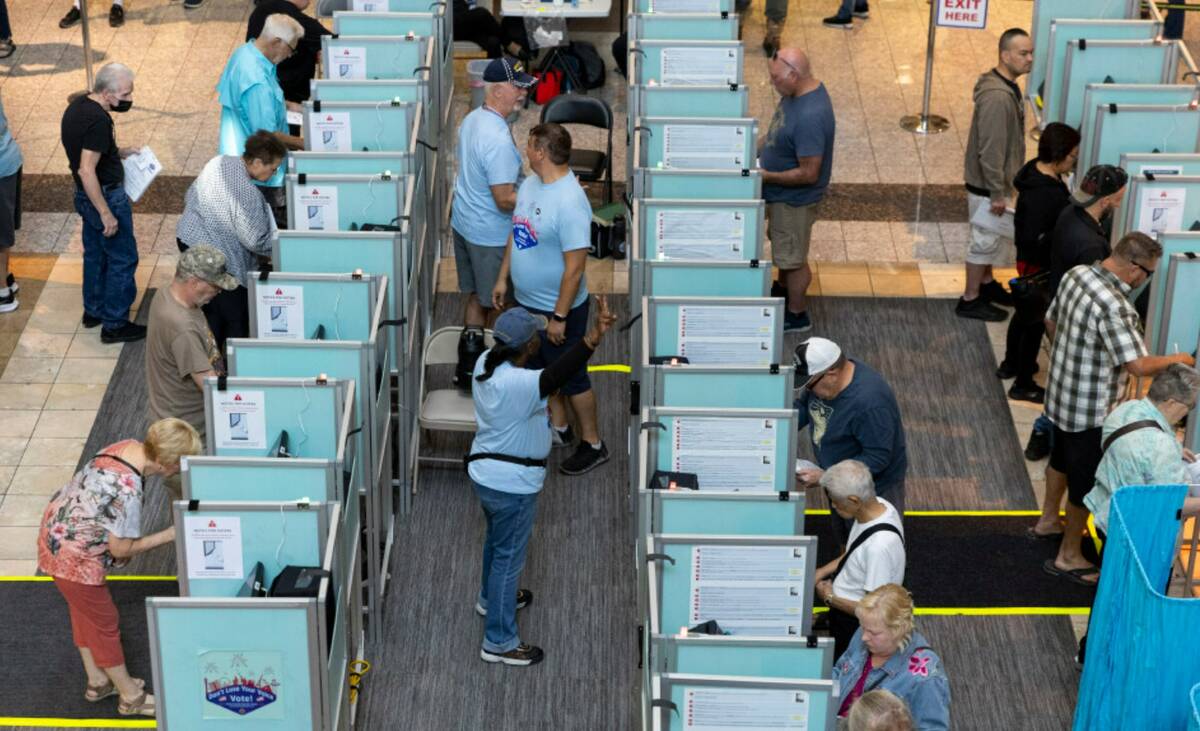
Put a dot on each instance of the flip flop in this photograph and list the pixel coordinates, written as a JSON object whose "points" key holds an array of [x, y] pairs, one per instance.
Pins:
{"points": [[1075, 576], [1033, 535], [97, 693]]}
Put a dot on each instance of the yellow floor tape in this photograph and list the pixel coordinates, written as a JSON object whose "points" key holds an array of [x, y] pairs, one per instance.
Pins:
{"points": [[610, 368], [76, 722]]}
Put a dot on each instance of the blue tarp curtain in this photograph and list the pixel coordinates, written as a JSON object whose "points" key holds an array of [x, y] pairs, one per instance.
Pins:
{"points": [[1143, 647], [1194, 718]]}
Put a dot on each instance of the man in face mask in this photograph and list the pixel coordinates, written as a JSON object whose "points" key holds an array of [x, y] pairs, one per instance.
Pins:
{"points": [[110, 255], [1082, 231]]}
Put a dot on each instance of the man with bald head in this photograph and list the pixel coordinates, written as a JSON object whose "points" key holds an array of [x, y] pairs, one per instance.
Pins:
{"points": [[796, 157]]}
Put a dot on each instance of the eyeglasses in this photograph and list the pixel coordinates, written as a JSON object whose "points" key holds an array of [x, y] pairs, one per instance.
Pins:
{"points": [[1149, 272], [775, 57]]}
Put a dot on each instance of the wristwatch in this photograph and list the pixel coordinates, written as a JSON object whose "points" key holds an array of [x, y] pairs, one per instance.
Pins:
{"points": [[828, 598], [557, 317]]}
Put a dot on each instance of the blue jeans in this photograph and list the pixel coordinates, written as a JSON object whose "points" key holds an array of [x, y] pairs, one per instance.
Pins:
{"points": [[108, 263], [509, 523], [849, 6], [5, 26], [1173, 23]]}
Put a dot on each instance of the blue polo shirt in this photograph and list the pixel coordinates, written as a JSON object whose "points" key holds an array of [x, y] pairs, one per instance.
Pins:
{"points": [[549, 220], [512, 420], [10, 154], [487, 156], [803, 126], [251, 99]]}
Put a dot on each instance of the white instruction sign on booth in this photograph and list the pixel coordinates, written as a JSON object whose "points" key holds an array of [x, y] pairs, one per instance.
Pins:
{"points": [[686, 66], [240, 419], [750, 590], [370, 6], [331, 131], [1161, 210], [703, 147], [962, 13], [214, 547], [280, 310], [727, 334], [699, 234], [349, 62], [726, 453], [736, 709], [316, 208]]}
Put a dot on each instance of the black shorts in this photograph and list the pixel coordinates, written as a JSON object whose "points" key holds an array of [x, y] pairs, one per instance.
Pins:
{"points": [[1076, 455], [577, 322]]}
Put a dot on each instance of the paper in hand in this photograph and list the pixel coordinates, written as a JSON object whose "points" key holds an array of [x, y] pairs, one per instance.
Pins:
{"points": [[141, 168], [804, 464]]}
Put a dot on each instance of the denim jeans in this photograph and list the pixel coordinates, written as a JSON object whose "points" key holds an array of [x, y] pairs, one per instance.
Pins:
{"points": [[108, 263], [849, 6], [509, 523], [5, 26]]}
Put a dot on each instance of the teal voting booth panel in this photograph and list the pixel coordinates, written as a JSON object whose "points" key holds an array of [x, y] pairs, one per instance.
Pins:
{"points": [[1125, 62], [1046, 12], [261, 479], [395, 164], [683, 6], [1069, 28], [347, 202], [683, 278], [380, 126], [357, 58], [729, 450], [682, 27], [698, 230], [696, 143], [369, 90], [1154, 206], [763, 657], [1131, 128], [1173, 243], [719, 386], [691, 101], [699, 513], [697, 184], [725, 701], [686, 63], [246, 417], [1099, 97], [1180, 322], [292, 306], [673, 325]]}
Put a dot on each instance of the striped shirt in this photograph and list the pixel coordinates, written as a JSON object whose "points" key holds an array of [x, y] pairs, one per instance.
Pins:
{"points": [[1097, 331], [225, 209]]}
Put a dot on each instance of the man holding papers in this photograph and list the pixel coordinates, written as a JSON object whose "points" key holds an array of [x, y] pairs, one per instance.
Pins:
{"points": [[546, 254]]}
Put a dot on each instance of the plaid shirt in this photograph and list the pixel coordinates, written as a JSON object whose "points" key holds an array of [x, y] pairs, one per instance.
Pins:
{"points": [[1097, 331]]}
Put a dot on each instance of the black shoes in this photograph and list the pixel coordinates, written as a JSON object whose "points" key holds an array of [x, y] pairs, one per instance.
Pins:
{"points": [[1032, 393], [995, 293], [89, 321], [796, 322], [127, 333], [560, 439], [1038, 447], [864, 12], [979, 309], [834, 21], [12, 284], [523, 654], [71, 18], [524, 599], [116, 16], [192, 4], [585, 459], [9, 303], [1006, 371]]}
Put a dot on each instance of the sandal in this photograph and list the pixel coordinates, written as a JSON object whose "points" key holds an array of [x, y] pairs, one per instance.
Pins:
{"points": [[1075, 576], [143, 705], [97, 693], [1032, 534], [7, 47]]}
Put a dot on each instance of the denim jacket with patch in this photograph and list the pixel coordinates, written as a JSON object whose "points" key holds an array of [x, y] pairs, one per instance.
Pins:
{"points": [[914, 673]]}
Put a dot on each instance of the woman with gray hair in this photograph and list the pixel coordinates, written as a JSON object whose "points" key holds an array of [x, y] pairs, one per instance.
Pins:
{"points": [[879, 710]]}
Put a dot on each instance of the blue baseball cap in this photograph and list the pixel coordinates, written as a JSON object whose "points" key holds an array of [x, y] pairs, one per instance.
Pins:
{"points": [[506, 70], [517, 326]]}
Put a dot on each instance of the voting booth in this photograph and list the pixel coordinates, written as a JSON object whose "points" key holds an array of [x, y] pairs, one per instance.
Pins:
{"points": [[696, 143], [392, 164], [697, 230], [682, 701], [683, 6], [682, 27], [1093, 62], [1157, 204], [1112, 99], [1046, 12], [745, 331], [686, 63], [697, 184]]}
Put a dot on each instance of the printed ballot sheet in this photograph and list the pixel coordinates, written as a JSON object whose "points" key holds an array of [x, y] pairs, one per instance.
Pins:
{"points": [[349, 62], [744, 709], [750, 590], [331, 131], [214, 547], [699, 234], [280, 312], [727, 334], [704, 147], [141, 168], [687, 66], [1162, 210], [316, 208], [727, 454], [239, 418]]}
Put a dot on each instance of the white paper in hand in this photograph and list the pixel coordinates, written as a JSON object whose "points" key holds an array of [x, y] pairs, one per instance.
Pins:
{"points": [[294, 117], [1002, 224], [141, 168]]}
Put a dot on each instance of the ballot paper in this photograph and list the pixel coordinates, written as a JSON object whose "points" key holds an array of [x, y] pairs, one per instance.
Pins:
{"points": [[316, 207], [280, 312], [699, 234], [728, 454], [1161, 210], [1001, 225], [750, 590], [704, 147], [141, 168], [804, 464], [688, 66], [740, 709], [294, 117], [213, 547], [330, 131], [349, 62], [727, 334]]}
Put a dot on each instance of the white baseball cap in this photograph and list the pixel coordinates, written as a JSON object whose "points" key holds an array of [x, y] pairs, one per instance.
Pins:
{"points": [[813, 357]]}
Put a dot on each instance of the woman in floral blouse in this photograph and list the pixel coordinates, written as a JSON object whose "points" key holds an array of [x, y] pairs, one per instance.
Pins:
{"points": [[94, 524]]}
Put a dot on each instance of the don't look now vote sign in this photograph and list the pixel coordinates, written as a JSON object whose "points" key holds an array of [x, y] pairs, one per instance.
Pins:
{"points": [[962, 13]]}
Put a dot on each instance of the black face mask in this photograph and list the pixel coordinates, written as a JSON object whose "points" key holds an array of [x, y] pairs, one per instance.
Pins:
{"points": [[123, 105]]}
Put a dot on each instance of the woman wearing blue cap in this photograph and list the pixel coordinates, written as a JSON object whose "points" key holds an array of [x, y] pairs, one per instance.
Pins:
{"points": [[507, 464]]}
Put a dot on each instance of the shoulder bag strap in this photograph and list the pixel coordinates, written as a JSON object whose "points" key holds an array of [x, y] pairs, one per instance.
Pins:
{"points": [[1130, 427], [862, 538]]}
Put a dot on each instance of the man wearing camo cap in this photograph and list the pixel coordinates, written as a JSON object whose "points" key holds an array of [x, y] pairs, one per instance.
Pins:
{"points": [[180, 349]]}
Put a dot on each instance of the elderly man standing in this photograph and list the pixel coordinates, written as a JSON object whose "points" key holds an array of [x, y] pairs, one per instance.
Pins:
{"points": [[110, 254], [1096, 335], [251, 98], [875, 555], [995, 154], [796, 157], [851, 413], [296, 72], [485, 193], [547, 253]]}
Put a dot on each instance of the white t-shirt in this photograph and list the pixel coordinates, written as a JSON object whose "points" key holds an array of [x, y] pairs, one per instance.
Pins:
{"points": [[878, 561]]}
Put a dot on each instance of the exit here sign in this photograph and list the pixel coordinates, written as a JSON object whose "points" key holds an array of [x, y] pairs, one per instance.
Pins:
{"points": [[962, 13]]}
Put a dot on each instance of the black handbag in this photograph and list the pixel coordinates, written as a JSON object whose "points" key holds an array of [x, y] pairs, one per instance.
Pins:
{"points": [[1032, 288]]}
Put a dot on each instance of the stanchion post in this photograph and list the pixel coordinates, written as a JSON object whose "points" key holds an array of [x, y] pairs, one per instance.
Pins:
{"points": [[926, 123], [87, 43]]}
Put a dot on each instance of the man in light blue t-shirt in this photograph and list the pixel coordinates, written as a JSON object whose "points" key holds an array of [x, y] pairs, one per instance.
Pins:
{"points": [[546, 256], [485, 191]]}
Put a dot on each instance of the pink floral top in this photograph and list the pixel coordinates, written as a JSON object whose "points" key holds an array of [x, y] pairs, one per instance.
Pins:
{"points": [[102, 499]]}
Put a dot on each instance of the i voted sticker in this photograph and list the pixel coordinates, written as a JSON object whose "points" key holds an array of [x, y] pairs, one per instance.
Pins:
{"points": [[524, 237]]}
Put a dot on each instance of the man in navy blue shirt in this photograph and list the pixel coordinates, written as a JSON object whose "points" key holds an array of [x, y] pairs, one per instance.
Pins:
{"points": [[851, 413], [796, 158]]}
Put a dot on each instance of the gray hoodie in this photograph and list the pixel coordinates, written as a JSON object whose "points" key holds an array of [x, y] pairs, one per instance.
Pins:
{"points": [[996, 143]]}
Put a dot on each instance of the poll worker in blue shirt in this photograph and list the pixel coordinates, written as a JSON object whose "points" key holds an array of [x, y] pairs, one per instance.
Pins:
{"points": [[10, 211], [485, 193], [851, 413], [507, 463], [796, 157], [251, 98], [546, 254]]}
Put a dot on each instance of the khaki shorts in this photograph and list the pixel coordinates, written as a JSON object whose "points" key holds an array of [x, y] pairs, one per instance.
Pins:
{"points": [[790, 230], [985, 248]]}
